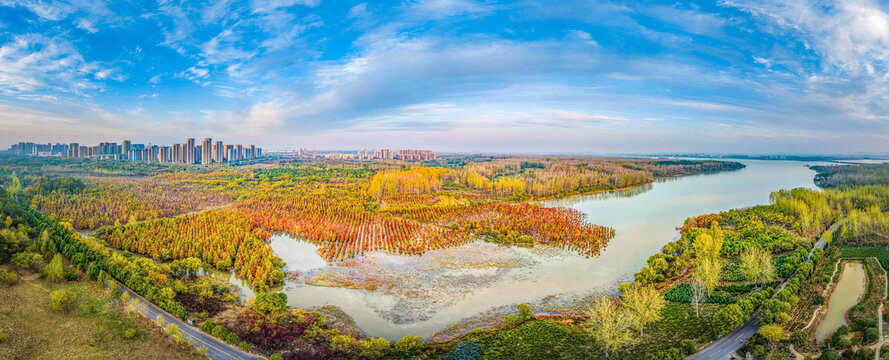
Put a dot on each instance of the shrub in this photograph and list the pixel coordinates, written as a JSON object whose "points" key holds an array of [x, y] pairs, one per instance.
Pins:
{"points": [[843, 343], [3, 337], [411, 343], [799, 338], [129, 333], [829, 354], [843, 330], [271, 304], [55, 271], [220, 332], [62, 299], [244, 346], [871, 334], [171, 329], [320, 320], [679, 293], [208, 326], [116, 291], [466, 350], [865, 353], [10, 278], [202, 350], [342, 342], [511, 321], [525, 312], [276, 356], [669, 354], [688, 347], [374, 347], [27, 260], [232, 338]]}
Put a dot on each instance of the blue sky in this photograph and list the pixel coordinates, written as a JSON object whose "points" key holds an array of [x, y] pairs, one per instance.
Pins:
{"points": [[751, 76]]}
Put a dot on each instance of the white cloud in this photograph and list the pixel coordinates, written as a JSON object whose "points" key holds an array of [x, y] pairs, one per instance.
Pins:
{"points": [[582, 36], [32, 62], [852, 35], [195, 74]]}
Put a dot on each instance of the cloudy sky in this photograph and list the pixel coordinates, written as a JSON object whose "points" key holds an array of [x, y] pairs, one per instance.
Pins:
{"points": [[754, 76]]}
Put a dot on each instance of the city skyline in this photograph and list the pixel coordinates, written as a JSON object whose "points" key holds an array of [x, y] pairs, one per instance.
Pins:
{"points": [[737, 76], [126, 150]]}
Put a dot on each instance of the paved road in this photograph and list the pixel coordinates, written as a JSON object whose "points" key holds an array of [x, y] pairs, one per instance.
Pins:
{"points": [[729, 344], [216, 349]]}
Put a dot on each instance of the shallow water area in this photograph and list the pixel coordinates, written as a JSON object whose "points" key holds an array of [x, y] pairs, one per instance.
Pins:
{"points": [[847, 293], [392, 295]]}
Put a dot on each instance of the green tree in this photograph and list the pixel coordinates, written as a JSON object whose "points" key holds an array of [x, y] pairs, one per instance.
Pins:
{"points": [[116, 291], [271, 304], [871, 334], [525, 312], [829, 354], [708, 271], [771, 332], [643, 303], [55, 271], [609, 324], [62, 299], [191, 266]]}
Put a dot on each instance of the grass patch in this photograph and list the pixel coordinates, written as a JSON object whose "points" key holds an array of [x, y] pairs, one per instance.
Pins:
{"points": [[92, 329], [543, 339]]}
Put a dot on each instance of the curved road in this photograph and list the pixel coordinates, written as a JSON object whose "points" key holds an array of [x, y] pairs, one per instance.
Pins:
{"points": [[729, 344], [216, 349]]}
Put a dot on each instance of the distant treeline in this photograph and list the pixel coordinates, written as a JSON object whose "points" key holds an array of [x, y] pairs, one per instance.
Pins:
{"points": [[846, 175]]}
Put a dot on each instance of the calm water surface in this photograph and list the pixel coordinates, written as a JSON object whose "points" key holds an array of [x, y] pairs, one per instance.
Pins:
{"points": [[430, 295], [848, 292]]}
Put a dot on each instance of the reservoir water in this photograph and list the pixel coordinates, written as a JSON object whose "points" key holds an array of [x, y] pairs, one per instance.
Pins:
{"points": [[392, 296]]}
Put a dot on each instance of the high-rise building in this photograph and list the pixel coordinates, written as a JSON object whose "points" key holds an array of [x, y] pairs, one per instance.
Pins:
{"points": [[189, 151], [219, 152], [206, 151], [252, 151], [126, 146], [73, 150], [240, 150]]}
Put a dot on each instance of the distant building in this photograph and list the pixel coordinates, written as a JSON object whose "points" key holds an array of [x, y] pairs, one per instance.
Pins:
{"points": [[189, 151], [206, 151], [415, 155]]}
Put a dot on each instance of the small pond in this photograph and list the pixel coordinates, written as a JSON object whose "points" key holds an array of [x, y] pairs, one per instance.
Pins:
{"points": [[847, 293]]}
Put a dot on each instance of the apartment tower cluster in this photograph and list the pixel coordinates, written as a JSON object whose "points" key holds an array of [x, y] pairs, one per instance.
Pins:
{"points": [[387, 154], [187, 153]]}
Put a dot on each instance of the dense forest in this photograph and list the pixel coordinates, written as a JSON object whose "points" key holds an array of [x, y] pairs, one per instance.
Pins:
{"points": [[845, 175]]}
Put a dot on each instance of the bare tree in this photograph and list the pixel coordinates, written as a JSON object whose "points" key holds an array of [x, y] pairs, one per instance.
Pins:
{"points": [[697, 295]]}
